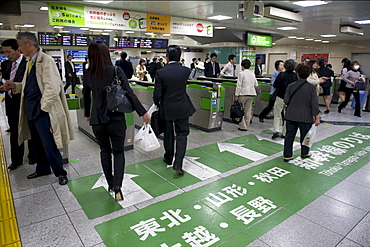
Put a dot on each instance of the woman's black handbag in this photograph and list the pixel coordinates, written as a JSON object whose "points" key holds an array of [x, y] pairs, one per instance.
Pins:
{"points": [[236, 112], [360, 85], [117, 100]]}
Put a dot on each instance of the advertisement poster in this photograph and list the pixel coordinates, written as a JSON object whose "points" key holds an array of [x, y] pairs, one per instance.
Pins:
{"points": [[191, 27], [158, 23], [114, 19], [66, 15], [315, 56], [251, 55]]}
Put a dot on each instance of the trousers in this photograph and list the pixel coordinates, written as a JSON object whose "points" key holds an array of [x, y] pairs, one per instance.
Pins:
{"points": [[247, 105], [291, 131], [279, 107]]}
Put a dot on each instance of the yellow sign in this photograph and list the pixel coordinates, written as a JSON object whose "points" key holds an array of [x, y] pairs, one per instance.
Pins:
{"points": [[158, 23]]}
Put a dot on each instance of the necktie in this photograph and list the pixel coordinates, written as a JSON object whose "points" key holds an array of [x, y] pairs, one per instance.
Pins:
{"points": [[30, 64], [13, 71]]}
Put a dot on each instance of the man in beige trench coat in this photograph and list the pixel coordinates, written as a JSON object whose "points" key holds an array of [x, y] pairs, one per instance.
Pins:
{"points": [[44, 112]]}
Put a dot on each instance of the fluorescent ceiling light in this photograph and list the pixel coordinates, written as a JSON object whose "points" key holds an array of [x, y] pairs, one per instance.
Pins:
{"points": [[317, 40], [65, 31], [292, 37], [58, 27], [351, 30], [108, 30], [18, 25], [325, 41], [129, 32], [273, 43], [149, 33], [28, 25], [300, 38], [96, 30], [101, 2], [1, 23], [310, 3], [166, 34], [84, 28], [220, 27], [328, 35], [43, 8], [287, 28], [104, 33], [363, 22], [220, 17], [148, 51], [309, 39]]}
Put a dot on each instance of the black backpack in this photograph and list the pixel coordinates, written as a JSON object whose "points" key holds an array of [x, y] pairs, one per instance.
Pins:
{"points": [[236, 112]]}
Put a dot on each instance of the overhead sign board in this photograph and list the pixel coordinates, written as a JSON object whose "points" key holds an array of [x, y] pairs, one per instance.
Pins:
{"points": [[191, 27], [158, 23], [259, 40], [66, 15]]}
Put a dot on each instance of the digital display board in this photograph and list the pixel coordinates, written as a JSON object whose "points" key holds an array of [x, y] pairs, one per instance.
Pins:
{"points": [[62, 39], [50, 39], [105, 39], [259, 40], [144, 43]]}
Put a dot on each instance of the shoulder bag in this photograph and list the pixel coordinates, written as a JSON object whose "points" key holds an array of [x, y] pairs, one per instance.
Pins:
{"points": [[117, 100], [360, 85]]}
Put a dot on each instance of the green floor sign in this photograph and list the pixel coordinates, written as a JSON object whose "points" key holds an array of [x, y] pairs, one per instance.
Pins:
{"points": [[235, 210]]}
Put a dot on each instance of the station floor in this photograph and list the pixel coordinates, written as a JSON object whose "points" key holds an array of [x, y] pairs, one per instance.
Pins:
{"points": [[236, 191]]}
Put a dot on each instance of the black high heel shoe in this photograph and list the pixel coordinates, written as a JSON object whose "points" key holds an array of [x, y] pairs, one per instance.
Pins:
{"points": [[118, 194]]}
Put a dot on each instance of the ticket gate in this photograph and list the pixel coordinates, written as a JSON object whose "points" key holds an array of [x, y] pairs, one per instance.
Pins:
{"points": [[263, 98], [208, 99], [85, 127]]}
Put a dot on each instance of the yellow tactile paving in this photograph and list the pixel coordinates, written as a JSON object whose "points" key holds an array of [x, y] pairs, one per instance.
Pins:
{"points": [[9, 234]]}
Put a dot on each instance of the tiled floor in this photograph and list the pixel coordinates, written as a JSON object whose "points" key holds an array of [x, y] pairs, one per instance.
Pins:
{"points": [[50, 215]]}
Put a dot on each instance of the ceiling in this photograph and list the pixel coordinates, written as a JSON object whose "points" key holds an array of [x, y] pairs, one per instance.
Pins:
{"points": [[325, 19]]}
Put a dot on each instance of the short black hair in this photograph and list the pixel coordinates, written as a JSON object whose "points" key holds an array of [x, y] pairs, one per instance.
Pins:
{"points": [[246, 63], [231, 57], [321, 62], [213, 55], [290, 65], [10, 42], [69, 55], [123, 55], [193, 59], [328, 65], [258, 58], [174, 53], [303, 71], [277, 63], [154, 59]]}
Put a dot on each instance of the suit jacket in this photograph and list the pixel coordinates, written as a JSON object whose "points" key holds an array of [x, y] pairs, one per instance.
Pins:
{"points": [[208, 71], [98, 113], [12, 104], [68, 69], [258, 69], [170, 92], [126, 66], [53, 102]]}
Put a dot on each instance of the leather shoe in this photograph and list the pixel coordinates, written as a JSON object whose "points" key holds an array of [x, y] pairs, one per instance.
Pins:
{"points": [[180, 172], [167, 162], [261, 120], [14, 166], [63, 180], [31, 162], [242, 129], [36, 175]]}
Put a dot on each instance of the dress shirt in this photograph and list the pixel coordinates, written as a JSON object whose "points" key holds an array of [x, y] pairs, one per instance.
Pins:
{"points": [[73, 67], [228, 70]]}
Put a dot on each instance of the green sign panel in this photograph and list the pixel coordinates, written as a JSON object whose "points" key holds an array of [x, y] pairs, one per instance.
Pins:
{"points": [[251, 56], [259, 40], [236, 210], [66, 15]]}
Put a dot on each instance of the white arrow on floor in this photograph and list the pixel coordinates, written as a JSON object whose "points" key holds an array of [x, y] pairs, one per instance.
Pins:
{"points": [[197, 169], [131, 191], [239, 150], [277, 140]]}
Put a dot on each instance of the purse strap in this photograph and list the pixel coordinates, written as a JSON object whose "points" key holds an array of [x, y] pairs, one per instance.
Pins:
{"points": [[299, 87], [116, 79]]}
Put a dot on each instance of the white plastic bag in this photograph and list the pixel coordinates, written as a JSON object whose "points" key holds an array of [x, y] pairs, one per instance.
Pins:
{"points": [[310, 136], [152, 109], [146, 138]]}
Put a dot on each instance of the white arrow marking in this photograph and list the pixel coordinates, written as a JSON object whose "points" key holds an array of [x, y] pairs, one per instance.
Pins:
{"points": [[278, 140], [197, 169], [239, 150], [131, 191]]}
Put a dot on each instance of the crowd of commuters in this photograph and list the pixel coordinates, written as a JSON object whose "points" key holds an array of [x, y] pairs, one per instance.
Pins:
{"points": [[37, 110]]}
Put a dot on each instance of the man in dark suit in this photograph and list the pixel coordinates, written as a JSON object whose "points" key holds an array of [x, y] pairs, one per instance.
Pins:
{"points": [[59, 66], [13, 70], [70, 74], [153, 68], [258, 68], [212, 68], [125, 65], [175, 106]]}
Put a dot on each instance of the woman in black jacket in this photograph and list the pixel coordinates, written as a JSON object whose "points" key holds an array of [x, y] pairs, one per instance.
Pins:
{"points": [[108, 127]]}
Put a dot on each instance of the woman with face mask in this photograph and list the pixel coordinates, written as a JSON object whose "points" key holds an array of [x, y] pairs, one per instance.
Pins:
{"points": [[350, 78]]}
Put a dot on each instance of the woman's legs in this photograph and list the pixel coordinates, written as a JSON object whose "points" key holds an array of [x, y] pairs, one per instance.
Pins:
{"points": [[356, 95]]}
